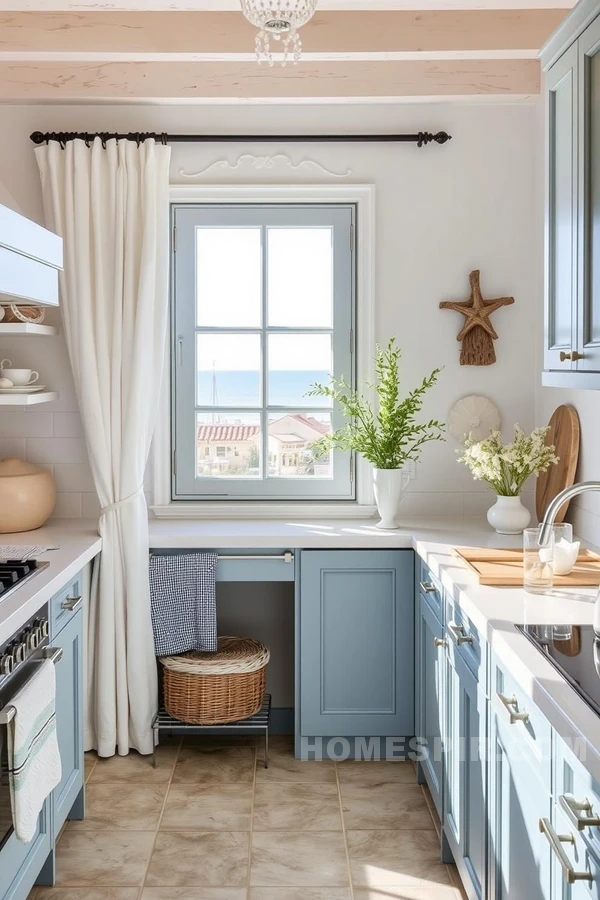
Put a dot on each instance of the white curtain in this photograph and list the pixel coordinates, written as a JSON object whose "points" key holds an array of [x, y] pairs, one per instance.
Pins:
{"points": [[111, 205]]}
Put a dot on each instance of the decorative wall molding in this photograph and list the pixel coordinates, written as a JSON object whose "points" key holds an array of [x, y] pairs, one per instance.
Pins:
{"points": [[265, 162]]}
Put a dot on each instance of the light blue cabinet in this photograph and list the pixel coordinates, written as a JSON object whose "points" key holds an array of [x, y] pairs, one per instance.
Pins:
{"points": [[429, 688], [356, 643], [520, 861], [572, 297], [69, 722], [21, 863], [464, 806]]}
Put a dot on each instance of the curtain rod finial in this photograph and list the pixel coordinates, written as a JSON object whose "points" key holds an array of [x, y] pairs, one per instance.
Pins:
{"points": [[37, 137]]}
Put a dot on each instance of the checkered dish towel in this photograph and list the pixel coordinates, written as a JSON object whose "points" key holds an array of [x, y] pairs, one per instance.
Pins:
{"points": [[183, 602]]}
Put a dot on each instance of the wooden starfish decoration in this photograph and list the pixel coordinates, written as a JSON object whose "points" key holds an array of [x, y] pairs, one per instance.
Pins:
{"points": [[478, 333]]}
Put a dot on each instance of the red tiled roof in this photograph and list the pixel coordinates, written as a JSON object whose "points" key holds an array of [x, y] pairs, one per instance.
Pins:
{"points": [[227, 433], [314, 423]]}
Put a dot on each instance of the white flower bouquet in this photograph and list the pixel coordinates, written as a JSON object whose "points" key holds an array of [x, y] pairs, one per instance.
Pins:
{"points": [[506, 467]]}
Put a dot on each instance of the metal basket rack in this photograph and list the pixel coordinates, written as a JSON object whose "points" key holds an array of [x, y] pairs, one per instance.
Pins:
{"points": [[257, 723]]}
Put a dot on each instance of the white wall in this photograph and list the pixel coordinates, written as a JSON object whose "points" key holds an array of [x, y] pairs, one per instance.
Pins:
{"points": [[441, 211]]}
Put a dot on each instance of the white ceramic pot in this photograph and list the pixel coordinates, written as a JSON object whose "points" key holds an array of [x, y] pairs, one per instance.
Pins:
{"points": [[389, 485], [508, 515]]}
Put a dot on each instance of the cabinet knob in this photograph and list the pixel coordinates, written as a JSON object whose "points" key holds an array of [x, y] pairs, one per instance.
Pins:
{"points": [[440, 642], [573, 355]]}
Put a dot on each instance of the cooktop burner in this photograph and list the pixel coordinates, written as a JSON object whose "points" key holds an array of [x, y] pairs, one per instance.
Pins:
{"points": [[14, 572], [574, 650]]}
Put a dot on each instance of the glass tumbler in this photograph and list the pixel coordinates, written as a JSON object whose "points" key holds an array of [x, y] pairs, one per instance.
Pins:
{"points": [[537, 562]]}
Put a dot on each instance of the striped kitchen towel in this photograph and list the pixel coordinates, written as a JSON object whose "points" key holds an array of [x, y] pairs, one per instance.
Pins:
{"points": [[34, 767], [183, 602]]}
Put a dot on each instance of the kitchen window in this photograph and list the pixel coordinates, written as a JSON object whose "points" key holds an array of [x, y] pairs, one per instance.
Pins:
{"points": [[263, 307]]}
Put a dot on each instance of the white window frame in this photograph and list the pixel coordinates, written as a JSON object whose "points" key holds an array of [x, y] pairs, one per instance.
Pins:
{"points": [[363, 196]]}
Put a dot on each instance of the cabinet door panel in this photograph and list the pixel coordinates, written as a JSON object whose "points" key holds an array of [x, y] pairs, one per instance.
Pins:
{"points": [[589, 192], [561, 223], [356, 645], [519, 855], [429, 694], [69, 713], [465, 813]]}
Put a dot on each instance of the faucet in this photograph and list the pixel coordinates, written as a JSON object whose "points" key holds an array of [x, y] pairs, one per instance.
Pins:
{"points": [[555, 505]]}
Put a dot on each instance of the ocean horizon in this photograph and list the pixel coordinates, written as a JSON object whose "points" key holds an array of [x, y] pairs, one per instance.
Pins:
{"points": [[242, 388]]}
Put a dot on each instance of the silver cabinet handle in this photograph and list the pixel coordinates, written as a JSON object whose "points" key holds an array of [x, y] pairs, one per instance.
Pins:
{"points": [[511, 705], [440, 642], [71, 603], [459, 634], [556, 841], [8, 712], [428, 587], [574, 809]]}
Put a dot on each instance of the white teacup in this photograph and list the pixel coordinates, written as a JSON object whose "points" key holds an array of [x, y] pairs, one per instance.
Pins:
{"points": [[19, 377]]}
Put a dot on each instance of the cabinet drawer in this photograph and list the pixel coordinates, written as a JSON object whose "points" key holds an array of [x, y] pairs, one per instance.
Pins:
{"points": [[429, 588], [530, 729], [577, 794], [465, 641], [65, 604]]}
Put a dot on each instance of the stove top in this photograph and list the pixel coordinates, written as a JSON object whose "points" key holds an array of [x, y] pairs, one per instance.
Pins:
{"points": [[14, 572], [574, 650]]}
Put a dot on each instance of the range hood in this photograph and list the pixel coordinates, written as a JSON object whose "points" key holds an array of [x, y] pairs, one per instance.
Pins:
{"points": [[30, 260]]}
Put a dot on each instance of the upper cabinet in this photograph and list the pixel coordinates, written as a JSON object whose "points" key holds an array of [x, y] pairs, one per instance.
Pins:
{"points": [[572, 258], [30, 259]]}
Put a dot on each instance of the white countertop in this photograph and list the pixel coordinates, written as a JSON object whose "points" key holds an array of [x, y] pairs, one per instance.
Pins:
{"points": [[77, 541]]}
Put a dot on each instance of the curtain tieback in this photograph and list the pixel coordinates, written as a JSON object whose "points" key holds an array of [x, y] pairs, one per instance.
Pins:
{"points": [[112, 507]]}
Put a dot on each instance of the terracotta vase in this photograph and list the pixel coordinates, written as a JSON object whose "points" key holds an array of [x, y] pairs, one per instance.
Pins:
{"points": [[27, 496]]}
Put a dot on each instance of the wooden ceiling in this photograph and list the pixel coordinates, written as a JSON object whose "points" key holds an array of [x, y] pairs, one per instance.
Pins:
{"points": [[58, 51]]}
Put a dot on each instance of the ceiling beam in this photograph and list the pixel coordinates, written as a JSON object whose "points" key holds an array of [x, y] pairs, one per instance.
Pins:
{"points": [[154, 33], [233, 5], [128, 81]]}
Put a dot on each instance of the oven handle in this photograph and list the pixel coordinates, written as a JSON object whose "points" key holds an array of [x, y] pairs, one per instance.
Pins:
{"points": [[54, 654]]}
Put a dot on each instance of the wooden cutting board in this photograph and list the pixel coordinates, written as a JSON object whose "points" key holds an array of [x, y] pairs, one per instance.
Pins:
{"points": [[564, 434], [505, 567]]}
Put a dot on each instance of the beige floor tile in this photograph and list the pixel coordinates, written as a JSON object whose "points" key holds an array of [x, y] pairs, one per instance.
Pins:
{"points": [[199, 859], [136, 807], [202, 764], [381, 858], [384, 806], [194, 893], [136, 768], [375, 772], [89, 761], [220, 807], [296, 859], [103, 858], [86, 893], [298, 807], [406, 892], [283, 766], [291, 893]]}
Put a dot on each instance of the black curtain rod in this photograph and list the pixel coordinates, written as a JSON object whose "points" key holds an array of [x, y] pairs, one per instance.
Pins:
{"points": [[420, 139]]}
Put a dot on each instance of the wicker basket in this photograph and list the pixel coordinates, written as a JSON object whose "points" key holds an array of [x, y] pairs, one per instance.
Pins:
{"points": [[214, 688]]}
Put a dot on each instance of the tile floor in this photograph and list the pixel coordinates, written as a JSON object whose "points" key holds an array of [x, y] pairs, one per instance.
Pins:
{"points": [[210, 823]]}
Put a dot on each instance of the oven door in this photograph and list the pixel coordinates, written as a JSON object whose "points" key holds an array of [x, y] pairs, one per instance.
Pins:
{"points": [[21, 864]]}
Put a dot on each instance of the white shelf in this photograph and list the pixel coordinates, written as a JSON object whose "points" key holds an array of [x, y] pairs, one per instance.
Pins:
{"points": [[27, 399], [26, 328]]}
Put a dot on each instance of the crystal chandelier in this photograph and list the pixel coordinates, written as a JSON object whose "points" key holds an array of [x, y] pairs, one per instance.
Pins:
{"points": [[280, 20]]}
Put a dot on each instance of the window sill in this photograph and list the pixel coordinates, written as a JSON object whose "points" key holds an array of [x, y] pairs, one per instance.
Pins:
{"points": [[257, 510]]}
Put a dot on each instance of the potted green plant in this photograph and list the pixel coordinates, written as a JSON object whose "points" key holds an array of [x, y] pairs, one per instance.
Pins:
{"points": [[506, 468], [387, 435]]}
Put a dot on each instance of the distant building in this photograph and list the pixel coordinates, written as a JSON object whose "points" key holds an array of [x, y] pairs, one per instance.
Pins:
{"points": [[235, 449]]}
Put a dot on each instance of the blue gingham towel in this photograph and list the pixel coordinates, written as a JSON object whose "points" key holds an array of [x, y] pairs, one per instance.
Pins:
{"points": [[183, 602]]}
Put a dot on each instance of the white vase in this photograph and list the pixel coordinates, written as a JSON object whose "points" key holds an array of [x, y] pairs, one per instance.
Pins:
{"points": [[389, 486], [508, 515]]}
